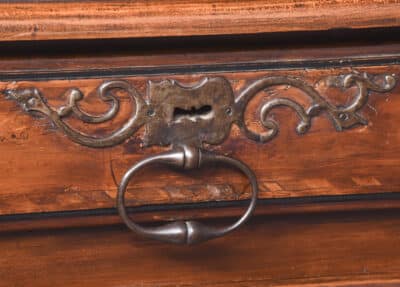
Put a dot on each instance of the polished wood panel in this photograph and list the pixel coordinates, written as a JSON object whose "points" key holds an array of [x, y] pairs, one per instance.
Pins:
{"points": [[49, 20], [42, 170], [345, 249]]}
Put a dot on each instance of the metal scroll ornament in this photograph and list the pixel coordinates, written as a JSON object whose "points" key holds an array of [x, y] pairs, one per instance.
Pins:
{"points": [[188, 117]]}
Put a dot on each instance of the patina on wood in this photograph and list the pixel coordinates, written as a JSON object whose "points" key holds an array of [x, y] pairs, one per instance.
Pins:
{"points": [[78, 177]]}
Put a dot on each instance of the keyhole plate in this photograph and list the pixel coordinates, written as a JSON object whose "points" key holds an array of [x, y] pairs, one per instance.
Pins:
{"points": [[190, 114]]}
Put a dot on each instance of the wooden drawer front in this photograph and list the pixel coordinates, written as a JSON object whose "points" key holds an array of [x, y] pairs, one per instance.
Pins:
{"points": [[333, 250], [42, 170]]}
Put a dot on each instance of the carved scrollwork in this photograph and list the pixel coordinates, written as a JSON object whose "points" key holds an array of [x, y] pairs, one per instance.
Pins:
{"points": [[32, 101], [170, 115], [342, 117]]}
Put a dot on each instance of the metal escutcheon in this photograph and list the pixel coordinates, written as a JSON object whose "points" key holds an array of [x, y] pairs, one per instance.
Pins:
{"points": [[185, 232]]}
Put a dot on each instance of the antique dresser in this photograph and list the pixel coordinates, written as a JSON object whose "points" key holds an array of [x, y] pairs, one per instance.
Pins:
{"points": [[205, 143]]}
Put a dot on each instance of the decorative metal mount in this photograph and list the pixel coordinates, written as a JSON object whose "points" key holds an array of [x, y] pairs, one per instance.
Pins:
{"points": [[204, 113], [187, 117]]}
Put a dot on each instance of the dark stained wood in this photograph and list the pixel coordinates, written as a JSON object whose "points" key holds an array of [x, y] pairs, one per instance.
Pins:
{"points": [[44, 20], [345, 249], [41, 170]]}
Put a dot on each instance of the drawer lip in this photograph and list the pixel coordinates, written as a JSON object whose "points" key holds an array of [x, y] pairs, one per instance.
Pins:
{"points": [[257, 66], [264, 202], [267, 208]]}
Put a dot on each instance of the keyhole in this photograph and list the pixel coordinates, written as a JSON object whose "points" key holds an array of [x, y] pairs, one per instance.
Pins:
{"points": [[191, 113]]}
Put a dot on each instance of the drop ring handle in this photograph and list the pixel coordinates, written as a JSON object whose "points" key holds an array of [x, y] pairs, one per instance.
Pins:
{"points": [[185, 232]]}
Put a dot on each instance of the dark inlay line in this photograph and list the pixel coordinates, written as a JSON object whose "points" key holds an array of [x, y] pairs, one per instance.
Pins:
{"points": [[193, 69], [189, 206]]}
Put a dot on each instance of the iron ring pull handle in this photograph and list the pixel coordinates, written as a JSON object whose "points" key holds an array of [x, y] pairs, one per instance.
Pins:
{"points": [[185, 232]]}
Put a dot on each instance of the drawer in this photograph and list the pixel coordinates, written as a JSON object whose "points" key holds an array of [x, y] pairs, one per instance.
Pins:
{"points": [[45, 170], [311, 127], [333, 249]]}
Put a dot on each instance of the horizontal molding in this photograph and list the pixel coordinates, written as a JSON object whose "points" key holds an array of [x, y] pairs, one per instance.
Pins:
{"points": [[99, 19], [40, 75], [188, 206]]}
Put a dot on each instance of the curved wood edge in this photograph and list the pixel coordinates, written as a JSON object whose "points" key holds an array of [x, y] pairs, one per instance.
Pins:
{"points": [[48, 20]]}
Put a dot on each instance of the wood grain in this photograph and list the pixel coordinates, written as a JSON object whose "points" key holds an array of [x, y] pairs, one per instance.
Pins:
{"points": [[347, 249], [329, 212], [41, 170], [49, 20]]}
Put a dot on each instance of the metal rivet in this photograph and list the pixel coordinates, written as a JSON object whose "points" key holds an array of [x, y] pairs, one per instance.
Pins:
{"points": [[343, 116], [151, 112]]}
